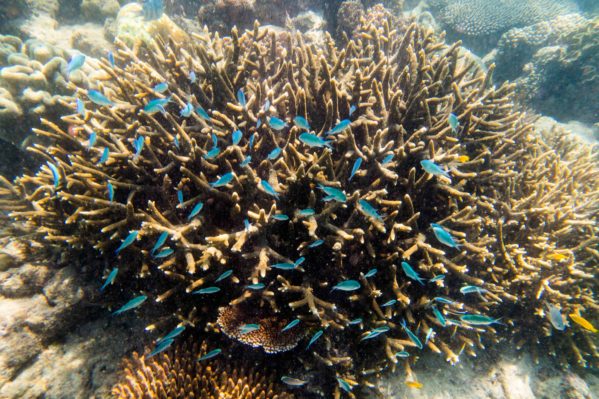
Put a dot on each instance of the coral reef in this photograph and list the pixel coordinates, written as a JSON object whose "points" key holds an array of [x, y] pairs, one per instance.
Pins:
{"points": [[281, 225], [178, 374]]}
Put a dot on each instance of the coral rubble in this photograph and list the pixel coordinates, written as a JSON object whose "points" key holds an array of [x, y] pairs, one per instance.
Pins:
{"points": [[219, 143]]}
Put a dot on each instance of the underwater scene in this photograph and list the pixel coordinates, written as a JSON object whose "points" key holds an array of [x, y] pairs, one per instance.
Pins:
{"points": [[299, 199]]}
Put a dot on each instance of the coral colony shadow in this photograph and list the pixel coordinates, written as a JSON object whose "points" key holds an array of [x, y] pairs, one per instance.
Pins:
{"points": [[338, 209]]}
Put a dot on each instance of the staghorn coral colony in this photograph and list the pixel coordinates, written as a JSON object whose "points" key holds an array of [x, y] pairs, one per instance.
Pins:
{"points": [[355, 205]]}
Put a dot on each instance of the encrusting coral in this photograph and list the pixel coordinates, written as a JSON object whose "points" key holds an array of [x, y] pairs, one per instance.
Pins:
{"points": [[178, 374], [316, 190]]}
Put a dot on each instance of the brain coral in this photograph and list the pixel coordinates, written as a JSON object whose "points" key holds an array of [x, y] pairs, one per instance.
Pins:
{"points": [[211, 193]]}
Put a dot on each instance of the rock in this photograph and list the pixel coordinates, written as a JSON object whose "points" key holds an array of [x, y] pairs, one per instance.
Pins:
{"points": [[26, 280], [98, 10]]}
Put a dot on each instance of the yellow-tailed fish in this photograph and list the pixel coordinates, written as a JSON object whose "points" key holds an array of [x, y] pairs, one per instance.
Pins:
{"points": [[414, 384], [582, 322], [557, 256], [463, 158]]}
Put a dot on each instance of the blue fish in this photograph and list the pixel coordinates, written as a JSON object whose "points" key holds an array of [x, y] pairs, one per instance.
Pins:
{"points": [[75, 63], [479, 320], [98, 98], [316, 243], [132, 304], [370, 273], [80, 107], [192, 77], [412, 336], [92, 140], [210, 354], [291, 324], [437, 278], [333, 194], [180, 197], [110, 278], [443, 236], [152, 9], [223, 180], [207, 290], [375, 333], [281, 217], [299, 261], [202, 112], [355, 321], [446, 301], [104, 157], [389, 303], [258, 123], [283, 266], [312, 140], [176, 142], [110, 189], [111, 59], [255, 287], [411, 273], [354, 169], [55, 174], [246, 161], [161, 347], [402, 354], [315, 337], [266, 107], [186, 111], [347, 285], [274, 154], [556, 318], [344, 384], [165, 253], [127, 241], [352, 109], [369, 210], [212, 153], [214, 140], [224, 275], [439, 316], [341, 126], [276, 123], [301, 122], [429, 334], [156, 105], [159, 242], [432, 168], [269, 189], [248, 328], [454, 123], [196, 209], [138, 145], [241, 98], [306, 212], [387, 159], [246, 224], [175, 332], [252, 138], [236, 137], [161, 87]]}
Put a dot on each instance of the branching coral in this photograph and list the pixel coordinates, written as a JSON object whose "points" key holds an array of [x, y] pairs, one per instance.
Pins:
{"points": [[269, 220]]}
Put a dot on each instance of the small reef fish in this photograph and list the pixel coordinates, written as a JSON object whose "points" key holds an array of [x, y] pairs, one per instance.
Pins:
{"points": [[293, 382], [110, 279], [110, 189], [389, 303], [281, 217], [429, 334], [223, 180], [135, 302], [258, 123], [246, 161], [478, 319], [557, 257], [210, 355], [371, 273], [104, 157], [402, 354], [156, 105], [316, 243], [192, 77], [251, 143], [443, 300], [92, 140], [375, 333], [196, 209], [411, 335], [414, 384], [291, 324], [224, 275], [246, 224], [111, 59], [472, 289], [299, 261], [439, 316], [80, 107], [312, 140], [161, 347], [432, 168], [180, 197], [352, 109], [255, 287], [212, 153], [301, 122], [248, 328], [333, 194], [175, 332], [241, 98], [202, 112], [276, 123], [176, 142], [207, 290], [355, 321], [55, 174], [186, 111], [75, 63], [582, 322], [269, 189], [214, 140], [454, 123], [347, 285], [443, 236], [463, 158], [556, 318], [387, 159], [98, 98], [274, 154], [236, 137], [369, 210], [341, 126], [344, 384], [160, 87], [138, 145], [283, 266], [354, 169], [437, 278], [411, 273], [159, 242], [314, 338], [127, 241], [165, 253], [306, 212], [266, 107]]}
